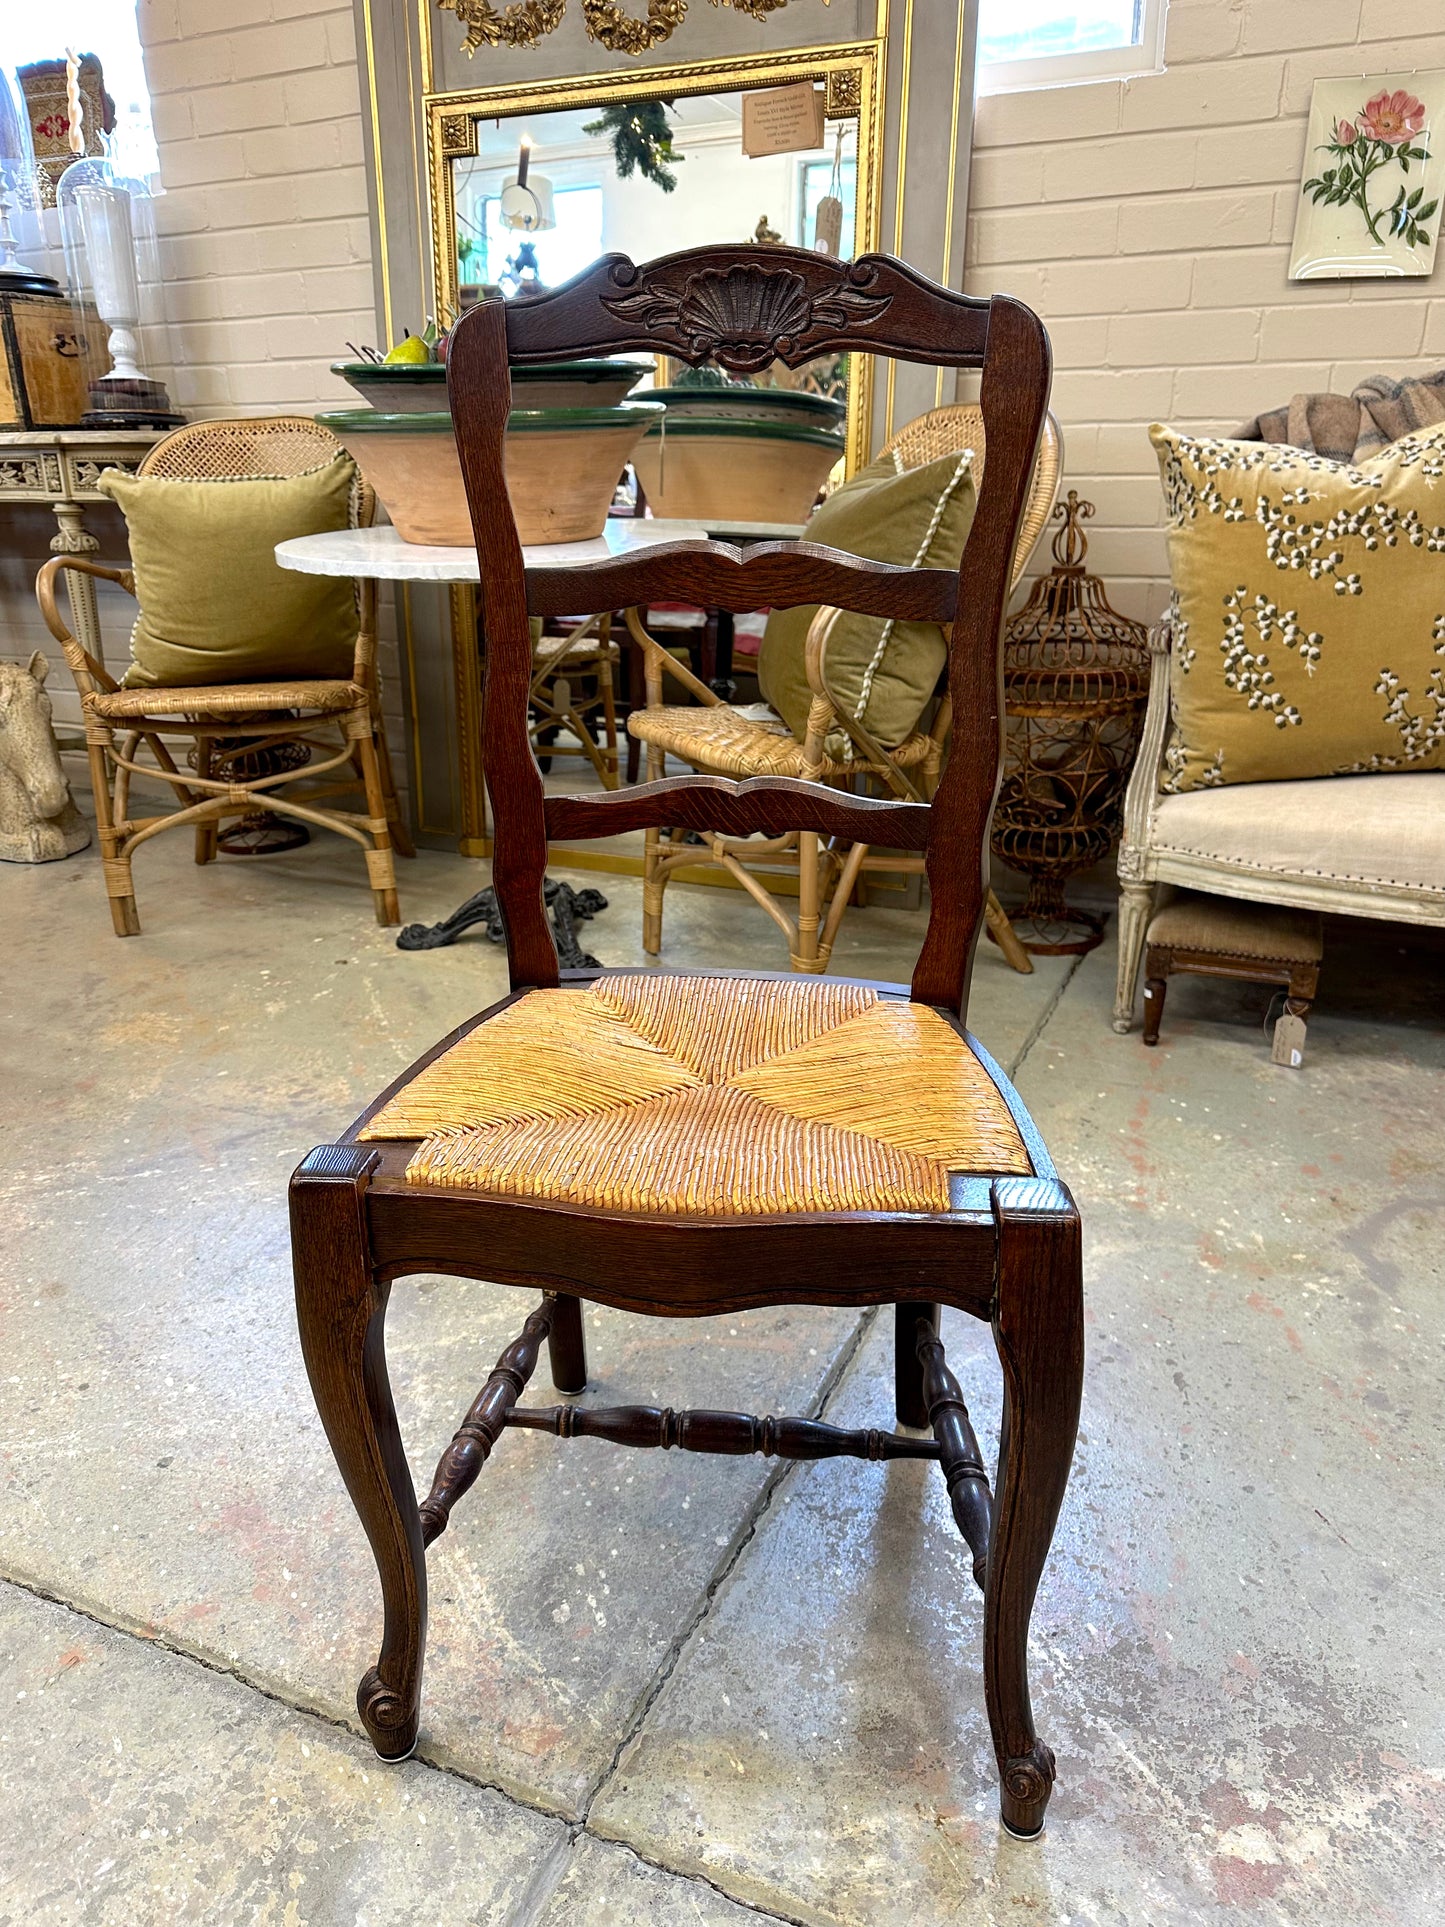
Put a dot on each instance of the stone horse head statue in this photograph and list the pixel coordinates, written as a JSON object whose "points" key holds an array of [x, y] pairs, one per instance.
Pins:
{"points": [[38, 819]]}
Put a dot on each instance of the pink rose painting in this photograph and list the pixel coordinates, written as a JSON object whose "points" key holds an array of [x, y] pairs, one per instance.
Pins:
{"points": [[1378, 147]]}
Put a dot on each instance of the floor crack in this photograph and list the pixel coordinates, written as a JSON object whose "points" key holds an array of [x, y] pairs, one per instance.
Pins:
{"points": [[1036, 1029]]}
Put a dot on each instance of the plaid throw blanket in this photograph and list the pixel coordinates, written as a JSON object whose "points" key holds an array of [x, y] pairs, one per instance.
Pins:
{"points": [[1349, 428]]}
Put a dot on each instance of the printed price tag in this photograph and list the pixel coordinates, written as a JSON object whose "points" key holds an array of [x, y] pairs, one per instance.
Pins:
{"points": [[782, 120]]}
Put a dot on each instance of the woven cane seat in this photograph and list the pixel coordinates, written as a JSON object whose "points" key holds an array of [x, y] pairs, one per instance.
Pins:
{"points": [[726, 740], [708, 1097], [587, 649], [227, 699]]}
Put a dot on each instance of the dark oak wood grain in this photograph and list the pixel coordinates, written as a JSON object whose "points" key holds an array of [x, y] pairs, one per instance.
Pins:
{"points": [[1038, 1326], [737, 808], [765, 575], [735, 1434], [745, 307], [1007, 1250], [484, 1423], [959, 1456]]}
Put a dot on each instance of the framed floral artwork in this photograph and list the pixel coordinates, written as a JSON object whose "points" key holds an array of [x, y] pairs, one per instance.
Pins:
{"points": [[1374, 178]]}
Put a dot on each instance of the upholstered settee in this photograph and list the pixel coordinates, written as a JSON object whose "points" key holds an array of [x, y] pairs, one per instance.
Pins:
{"points": [[1364, 846]]}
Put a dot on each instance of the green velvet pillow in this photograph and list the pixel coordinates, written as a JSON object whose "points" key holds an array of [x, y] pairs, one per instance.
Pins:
{"points": [[882, 673], [215, 605]]}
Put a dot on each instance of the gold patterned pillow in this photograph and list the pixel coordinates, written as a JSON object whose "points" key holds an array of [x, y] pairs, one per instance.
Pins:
{"points": [[1308, 609]]}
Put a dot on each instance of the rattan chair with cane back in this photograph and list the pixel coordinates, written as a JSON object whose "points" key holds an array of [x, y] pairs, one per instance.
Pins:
{"points": [[252, 743], [716, 737], [689, 1145], [574, 690]]}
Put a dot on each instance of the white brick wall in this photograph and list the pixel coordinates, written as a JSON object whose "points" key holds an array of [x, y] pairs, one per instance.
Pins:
{"points": [[1150, 221], [263, 220]]}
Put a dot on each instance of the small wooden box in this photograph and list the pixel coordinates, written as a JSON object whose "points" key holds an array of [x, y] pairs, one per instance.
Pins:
{"points": [[48, 358]]}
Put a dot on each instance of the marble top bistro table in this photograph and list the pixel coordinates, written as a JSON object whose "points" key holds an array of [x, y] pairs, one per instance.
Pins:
{"points": [[380, 553]]}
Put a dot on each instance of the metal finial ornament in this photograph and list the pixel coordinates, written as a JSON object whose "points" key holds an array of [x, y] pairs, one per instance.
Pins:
{"points": [[1076, 680]]}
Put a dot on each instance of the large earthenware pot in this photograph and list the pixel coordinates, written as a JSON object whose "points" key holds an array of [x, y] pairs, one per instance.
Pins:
{"points": [[405, 388], [718, 469], [562, 468], [741, 401]]}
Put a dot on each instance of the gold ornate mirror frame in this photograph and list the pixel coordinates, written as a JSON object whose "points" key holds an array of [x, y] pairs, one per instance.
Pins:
{"points": [[851, 76]]}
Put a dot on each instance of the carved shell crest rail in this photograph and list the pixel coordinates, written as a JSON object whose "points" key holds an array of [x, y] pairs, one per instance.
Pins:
{"points": [[524, 22], [744, 317]]}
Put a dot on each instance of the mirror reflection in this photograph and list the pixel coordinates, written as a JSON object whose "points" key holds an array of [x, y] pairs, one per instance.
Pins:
{"points": [[546, 193]]}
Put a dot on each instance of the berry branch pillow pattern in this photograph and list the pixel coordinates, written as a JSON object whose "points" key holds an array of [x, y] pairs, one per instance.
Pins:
{"points": [[1308, 609]]}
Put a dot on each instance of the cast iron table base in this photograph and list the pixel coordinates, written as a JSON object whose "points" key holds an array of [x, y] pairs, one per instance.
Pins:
{"points": [[566, 905]]}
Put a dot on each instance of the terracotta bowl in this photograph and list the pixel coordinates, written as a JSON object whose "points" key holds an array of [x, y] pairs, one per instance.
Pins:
{"points": [[562, 469], [743, 402], [405, 388], [720, 470]]}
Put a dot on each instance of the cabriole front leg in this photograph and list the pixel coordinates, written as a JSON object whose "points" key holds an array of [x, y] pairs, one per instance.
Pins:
{"points": [[341, 1311], [1039, 1331]]}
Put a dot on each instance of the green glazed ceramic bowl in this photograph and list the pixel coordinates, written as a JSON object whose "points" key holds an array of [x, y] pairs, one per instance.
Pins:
{"points": [[421, 387], [718, 469], [562, 468]]}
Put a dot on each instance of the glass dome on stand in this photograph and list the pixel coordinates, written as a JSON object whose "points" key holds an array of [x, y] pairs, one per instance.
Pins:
{"points": [[107, 226], [22, 239]]}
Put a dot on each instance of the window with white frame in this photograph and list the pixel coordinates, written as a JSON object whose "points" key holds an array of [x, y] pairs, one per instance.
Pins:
{"points": [[1049, 43]]}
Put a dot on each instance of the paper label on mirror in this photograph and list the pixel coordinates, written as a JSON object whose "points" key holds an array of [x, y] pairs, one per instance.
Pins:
{"points": [[782, 120]]}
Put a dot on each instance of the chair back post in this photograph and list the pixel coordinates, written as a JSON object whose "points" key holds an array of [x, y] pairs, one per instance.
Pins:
{"points": [[746, 307], [479, 387], [1016, 372]]}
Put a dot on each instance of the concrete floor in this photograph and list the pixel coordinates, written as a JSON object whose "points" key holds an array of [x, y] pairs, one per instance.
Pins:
{"points": [[679, 1690]]}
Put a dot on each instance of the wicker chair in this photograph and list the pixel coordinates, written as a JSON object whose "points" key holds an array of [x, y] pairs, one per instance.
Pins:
{"points": [[341, 720], [574, 685], [720, 739]]}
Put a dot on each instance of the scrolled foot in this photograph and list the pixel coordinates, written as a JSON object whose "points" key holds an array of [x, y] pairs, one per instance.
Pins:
{"points": [[1025, 1786], [1123, 1025], [390, 1724]]}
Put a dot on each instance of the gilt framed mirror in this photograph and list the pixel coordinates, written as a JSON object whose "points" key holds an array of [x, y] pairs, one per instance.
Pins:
{"points": [[530, 183]]}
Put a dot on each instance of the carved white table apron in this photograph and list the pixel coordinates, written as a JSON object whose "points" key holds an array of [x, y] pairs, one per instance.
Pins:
{"points": [[61, 466]]}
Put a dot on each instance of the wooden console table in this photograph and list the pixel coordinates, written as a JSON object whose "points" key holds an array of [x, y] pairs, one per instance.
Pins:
{"points": [[61, 466]]}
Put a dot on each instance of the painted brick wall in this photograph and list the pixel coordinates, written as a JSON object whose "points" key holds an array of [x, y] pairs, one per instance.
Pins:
{"points": [[1149, 222], [264, 217]]}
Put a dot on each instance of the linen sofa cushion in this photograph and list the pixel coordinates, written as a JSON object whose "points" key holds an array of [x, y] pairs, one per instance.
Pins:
{"points": [[882, 673], [1308, 609], [215, 605], [1387, 831]]}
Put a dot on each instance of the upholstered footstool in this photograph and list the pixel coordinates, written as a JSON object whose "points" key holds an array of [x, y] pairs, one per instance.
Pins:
{"points": [[1257, 943]]}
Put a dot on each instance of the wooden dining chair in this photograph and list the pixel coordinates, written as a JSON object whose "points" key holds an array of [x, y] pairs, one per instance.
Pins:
{"points": [[689, 1145]]}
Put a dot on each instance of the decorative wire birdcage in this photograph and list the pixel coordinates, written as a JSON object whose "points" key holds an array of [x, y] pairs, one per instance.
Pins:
{"points": [[1076, 679]]}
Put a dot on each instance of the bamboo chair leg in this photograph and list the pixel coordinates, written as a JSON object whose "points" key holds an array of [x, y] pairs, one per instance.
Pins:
{"points": [[207, 833], [115, 867], [1005, 936], [400, 834], [609, 720], [805, 955], [654, 874], [379, 865]]}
